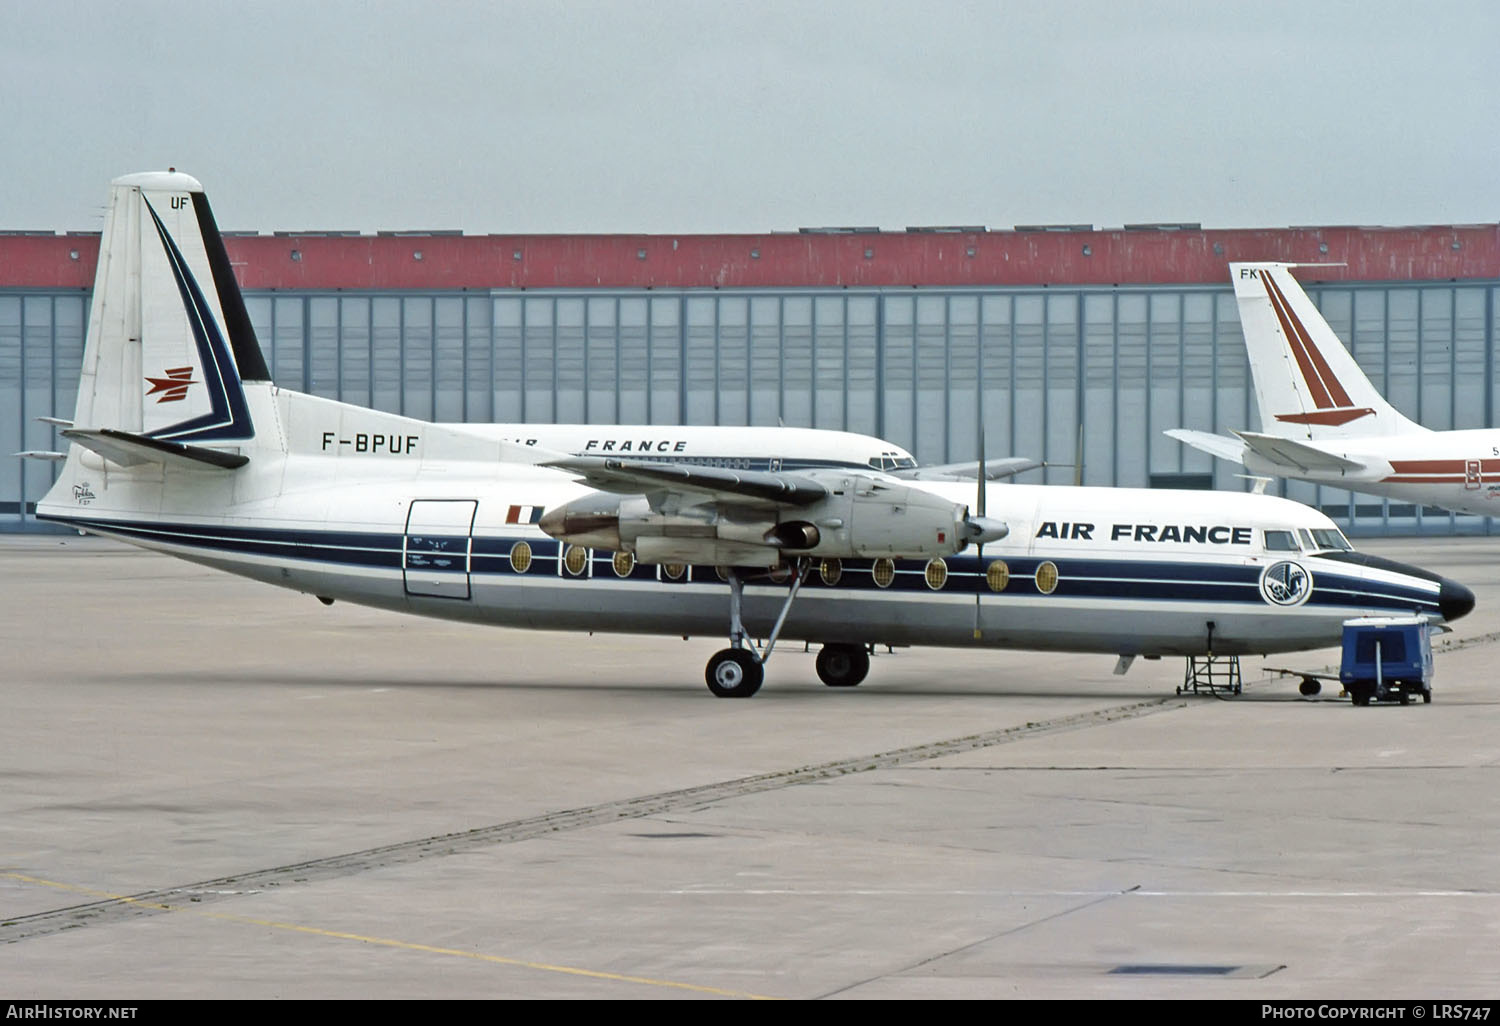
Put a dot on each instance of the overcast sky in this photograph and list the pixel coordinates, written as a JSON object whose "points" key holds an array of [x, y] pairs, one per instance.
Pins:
{"points": [[703, 116]]}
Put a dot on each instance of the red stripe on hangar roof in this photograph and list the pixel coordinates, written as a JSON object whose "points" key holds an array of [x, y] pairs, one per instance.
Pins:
{"points": [[954, 259]]}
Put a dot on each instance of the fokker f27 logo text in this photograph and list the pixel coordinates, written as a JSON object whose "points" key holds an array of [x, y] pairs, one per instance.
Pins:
{"points": [[174, 386]]}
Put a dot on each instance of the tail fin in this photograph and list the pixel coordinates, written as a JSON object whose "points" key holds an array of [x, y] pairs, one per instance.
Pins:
{"points": [[169, 341], [1307, 384]]}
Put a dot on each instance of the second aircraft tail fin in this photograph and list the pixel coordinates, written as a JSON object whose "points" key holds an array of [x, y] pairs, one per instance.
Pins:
{"points": [[1307, 383]]}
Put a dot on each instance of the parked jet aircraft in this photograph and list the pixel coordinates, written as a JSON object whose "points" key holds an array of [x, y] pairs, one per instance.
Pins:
{"points": [[1323, 421], [182, 444]]}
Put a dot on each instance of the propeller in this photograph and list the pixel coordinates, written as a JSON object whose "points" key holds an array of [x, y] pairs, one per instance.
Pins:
{"points": [[978, 528], [979, 580]]}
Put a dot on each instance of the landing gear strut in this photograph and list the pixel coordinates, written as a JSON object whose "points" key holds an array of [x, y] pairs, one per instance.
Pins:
{"points": [[737, 671]]}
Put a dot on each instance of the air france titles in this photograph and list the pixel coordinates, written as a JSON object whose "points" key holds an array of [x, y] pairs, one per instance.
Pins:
{"points": [[634, 445], [1216, 534]]}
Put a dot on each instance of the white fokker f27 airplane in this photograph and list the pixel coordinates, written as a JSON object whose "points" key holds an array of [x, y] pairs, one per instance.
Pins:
{"points": [[180, 443], [1323, 421]]}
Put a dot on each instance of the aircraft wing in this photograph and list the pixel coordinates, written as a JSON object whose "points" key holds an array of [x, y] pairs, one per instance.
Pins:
{"points": [[994, 470], [742, 487], [1290, 453], [1231, 449]]}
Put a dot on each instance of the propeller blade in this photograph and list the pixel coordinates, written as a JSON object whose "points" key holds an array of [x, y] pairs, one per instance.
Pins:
{"points": [[979, 507], [981, 519]]}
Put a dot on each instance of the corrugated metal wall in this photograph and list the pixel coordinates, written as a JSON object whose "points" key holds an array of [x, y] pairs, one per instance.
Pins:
{"points": [[41, 347], [1051, 373]]}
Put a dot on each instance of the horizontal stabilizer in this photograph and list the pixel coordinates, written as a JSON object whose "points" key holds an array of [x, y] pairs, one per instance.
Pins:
{"points": [[132, 450], [1291, 453], [643, 477], [1231, 449], [38, 454], [994, 470], [58, 421]]}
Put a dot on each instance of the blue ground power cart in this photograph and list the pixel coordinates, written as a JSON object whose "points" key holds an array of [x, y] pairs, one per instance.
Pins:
{"points": [[1387, 658]]}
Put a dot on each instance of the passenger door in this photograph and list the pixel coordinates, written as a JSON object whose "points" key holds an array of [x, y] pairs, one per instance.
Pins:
{"points": [[435, 551]]}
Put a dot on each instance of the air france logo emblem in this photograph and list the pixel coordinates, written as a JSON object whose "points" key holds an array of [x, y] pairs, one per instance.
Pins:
{"points": [[1285, 584], [174, 386]]}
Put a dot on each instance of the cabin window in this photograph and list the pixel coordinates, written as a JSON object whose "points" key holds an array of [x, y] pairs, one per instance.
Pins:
{"points": [[1046, 578], [997, 575], [936, 573], [1281, 541], [674, 571], [624, 563], [884, 572], [830, 570], [520, 557], [1332, 538], [576, 559]]}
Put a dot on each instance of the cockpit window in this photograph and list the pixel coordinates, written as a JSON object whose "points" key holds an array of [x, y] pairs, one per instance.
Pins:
{"points": [[1307, 538], [1332, 538], [1281, 541]]}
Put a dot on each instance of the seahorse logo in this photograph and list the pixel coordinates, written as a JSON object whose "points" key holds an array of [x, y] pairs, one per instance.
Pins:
{"points": [[1285, 584]]}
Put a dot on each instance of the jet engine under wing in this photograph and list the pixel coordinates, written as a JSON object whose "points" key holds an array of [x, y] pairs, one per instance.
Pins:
{"points": [[1231, 449], [994, 470], [742, 487], [1290, 453]]}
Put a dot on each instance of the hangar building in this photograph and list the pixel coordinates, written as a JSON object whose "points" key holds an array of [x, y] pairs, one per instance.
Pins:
{"points": [[1075, 345]]}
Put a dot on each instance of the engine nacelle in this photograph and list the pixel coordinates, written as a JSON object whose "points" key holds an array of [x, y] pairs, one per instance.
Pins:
{"points": [[863, 517], [795, 536], [860, 517]]}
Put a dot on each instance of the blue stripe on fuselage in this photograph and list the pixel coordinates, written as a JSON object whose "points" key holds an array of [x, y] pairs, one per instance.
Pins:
{"points": [[1111, 579]]}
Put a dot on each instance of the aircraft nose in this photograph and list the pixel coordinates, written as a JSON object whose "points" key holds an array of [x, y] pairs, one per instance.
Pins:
{"points": [[1454, 600]]}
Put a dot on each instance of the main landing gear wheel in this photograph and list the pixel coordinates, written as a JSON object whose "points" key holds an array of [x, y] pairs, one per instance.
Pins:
{"points": [[843, 666], [734, 673], [1309, 687]]}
